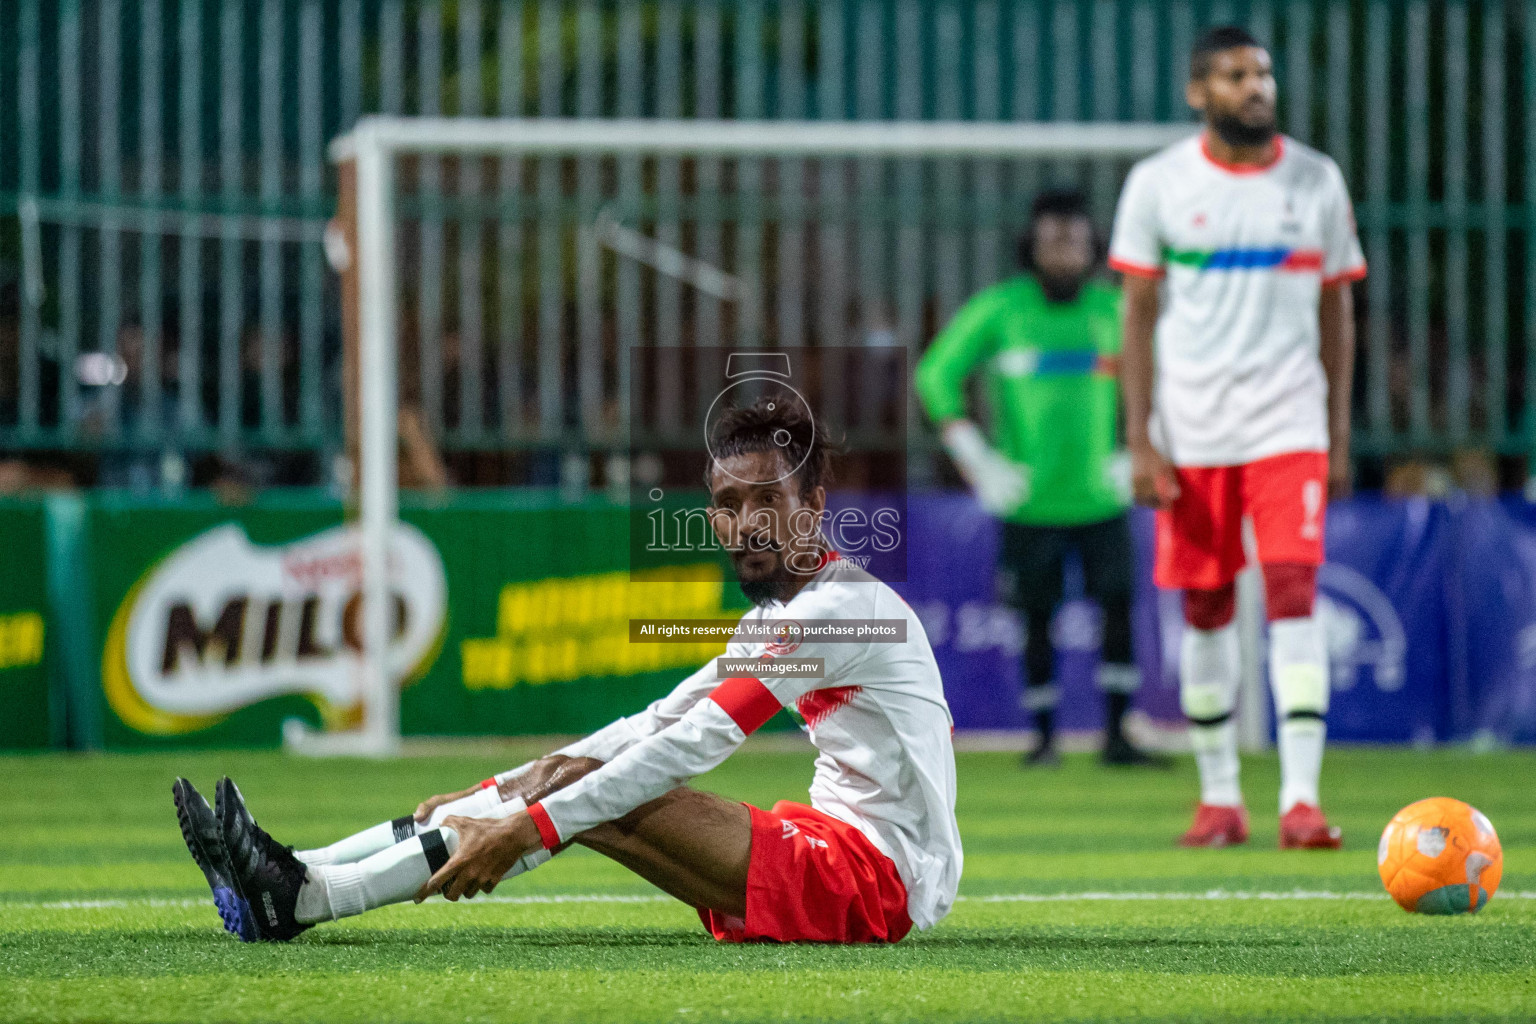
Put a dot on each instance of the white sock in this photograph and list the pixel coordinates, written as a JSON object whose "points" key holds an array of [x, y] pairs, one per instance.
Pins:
{"points": [[1301, 762], [1208, 671], [331, 892], [1298, 675], [361, 844], [390, 876], [1216, 756], [482, 803]]}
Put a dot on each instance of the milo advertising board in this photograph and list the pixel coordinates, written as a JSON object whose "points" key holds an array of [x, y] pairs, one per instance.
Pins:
{"points": [[222, 624], [509, 616]]}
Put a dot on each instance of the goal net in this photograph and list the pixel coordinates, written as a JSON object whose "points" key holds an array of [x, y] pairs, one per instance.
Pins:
{"points": [[573, 291]]}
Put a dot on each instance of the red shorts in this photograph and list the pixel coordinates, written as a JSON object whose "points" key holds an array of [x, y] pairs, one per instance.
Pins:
{"points": [[813, 878], [1200, 538]]}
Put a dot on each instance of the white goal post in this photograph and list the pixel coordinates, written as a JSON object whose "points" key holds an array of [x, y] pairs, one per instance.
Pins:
{"points": [[372, 149]]}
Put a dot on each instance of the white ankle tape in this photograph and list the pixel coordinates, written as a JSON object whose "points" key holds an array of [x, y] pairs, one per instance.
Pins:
{"points": [[537, 857], [1300, 689], [1209, 662], [1298, 666]]}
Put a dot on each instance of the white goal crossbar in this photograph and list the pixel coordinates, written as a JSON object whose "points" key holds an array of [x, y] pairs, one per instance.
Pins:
{"points": [[376, 142]]}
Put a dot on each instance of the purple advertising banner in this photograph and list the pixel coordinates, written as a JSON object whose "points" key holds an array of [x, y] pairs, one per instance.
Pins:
{"points": [[1429, 609], [1382, 600], [1492, 693], [979, 642]]}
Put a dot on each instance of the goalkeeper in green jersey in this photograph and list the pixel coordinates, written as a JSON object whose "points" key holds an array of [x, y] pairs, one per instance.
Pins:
{"points": [[1047, 344]]}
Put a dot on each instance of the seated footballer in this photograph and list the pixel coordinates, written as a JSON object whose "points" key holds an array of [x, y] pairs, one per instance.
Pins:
{"points": [[876, 852]]}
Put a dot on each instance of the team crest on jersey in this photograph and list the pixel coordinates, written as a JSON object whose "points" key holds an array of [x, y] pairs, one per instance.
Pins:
{"points": [[1290, 224], [787, 635]]}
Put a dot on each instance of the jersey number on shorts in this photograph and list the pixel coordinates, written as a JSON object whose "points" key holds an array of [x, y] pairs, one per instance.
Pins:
{"points": [[1312, 507]]}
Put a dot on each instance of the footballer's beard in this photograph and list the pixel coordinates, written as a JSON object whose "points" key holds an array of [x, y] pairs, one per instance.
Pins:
{"points": [[1064, 288], [1234, 131], [764, 586]]}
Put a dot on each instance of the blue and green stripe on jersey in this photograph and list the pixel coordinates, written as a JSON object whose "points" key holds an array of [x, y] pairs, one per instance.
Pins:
{"points": [[1283, 260], [1060, 362]]}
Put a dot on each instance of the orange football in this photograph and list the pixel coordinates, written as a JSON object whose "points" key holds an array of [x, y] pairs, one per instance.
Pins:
{"points": [[1440, 856]]}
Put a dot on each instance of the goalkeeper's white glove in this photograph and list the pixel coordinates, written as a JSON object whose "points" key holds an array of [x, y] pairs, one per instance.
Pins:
{"points": [[1117, 475], [1001, 485]]}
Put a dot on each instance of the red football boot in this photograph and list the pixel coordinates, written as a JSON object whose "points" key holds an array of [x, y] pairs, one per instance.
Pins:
{"points": [[1303, 827], [1216, 827]]}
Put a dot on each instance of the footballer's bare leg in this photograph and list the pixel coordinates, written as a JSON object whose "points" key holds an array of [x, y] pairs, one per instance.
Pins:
{"points": [[691, 845]]}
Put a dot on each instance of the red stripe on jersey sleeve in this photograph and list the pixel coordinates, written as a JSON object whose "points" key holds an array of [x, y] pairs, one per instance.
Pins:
{"points": [[1134, 269], [548, 834], [488, 783], [1303, 259], [1352, 274], [747, 701]]}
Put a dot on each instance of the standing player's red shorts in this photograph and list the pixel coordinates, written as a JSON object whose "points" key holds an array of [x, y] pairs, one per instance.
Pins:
{"points": [[1200, 537], [812, 878]]}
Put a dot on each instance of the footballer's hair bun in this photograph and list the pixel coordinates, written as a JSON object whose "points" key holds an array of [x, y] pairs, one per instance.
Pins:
{"points": [[779, 422]]}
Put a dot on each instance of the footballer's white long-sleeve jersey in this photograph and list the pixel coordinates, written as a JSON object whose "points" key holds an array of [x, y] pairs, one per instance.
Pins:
{"points": [[877, 717]]}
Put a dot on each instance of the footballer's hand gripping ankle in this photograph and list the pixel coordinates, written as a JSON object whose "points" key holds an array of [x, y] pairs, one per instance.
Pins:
{"points": [[487, 849]]}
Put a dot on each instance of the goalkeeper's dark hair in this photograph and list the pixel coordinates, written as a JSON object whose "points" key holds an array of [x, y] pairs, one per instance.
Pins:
{"points": [[1214, 41], [1069, 203], [753, 428]]}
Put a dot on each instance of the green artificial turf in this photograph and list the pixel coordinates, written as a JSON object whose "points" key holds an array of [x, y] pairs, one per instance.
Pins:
{"points": [[103, 917]]}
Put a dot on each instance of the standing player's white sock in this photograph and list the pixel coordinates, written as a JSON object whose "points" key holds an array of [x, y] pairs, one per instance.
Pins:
{"points": [[482, 803], [1301, 762], [1208, 671], [1298, 675]]}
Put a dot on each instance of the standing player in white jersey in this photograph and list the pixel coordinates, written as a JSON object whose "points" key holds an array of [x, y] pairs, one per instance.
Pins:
{"points": [[1238, 247], [876, 852]]}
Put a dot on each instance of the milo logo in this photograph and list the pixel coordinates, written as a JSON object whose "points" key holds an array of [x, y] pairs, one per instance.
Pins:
{"points": [[222, 623]]}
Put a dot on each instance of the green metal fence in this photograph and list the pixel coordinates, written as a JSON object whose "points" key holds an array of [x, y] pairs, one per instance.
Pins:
{"points": [[162, 204]]}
